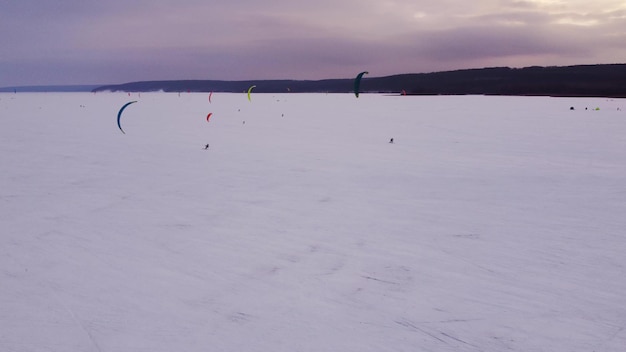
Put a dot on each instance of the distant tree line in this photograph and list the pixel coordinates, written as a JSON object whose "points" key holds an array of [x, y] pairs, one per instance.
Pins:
{"points": [[577, 81]]}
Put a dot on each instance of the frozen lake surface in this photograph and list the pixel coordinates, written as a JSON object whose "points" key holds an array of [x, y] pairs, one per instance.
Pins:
{"points": [[491, 224]]}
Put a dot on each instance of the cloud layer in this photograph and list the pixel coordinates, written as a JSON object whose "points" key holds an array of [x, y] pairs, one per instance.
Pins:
{"points": [[113, 41]]}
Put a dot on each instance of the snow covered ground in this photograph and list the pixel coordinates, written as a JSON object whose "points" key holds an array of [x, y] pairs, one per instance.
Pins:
{"points": [[491, 224]]}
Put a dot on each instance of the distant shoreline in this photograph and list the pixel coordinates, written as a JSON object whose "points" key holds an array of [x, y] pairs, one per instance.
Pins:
{"points": [[605, 80], [50, 88]]}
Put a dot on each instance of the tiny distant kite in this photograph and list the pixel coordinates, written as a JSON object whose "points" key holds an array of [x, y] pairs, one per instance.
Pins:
{"points": [[210, 95], [357, 82], [249, 91], [119, 115], [208, 116]]}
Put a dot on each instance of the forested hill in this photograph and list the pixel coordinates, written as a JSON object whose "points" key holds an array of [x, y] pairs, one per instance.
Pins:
{"points": [[581, 80]]}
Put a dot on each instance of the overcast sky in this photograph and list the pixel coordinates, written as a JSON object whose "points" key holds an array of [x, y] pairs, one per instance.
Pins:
{"points": [[117, 41]]}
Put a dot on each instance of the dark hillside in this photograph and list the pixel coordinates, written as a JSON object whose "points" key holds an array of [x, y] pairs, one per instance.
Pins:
{"points": [[582, 80]]}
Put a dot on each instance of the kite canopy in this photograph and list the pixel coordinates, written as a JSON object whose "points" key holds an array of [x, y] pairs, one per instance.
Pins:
{"points": [[119, 115], [357, 82], [208, 116], [250, 90], [210, 95]]}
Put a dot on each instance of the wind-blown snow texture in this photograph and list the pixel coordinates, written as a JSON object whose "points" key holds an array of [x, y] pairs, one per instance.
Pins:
{"points": [[491, 224]]}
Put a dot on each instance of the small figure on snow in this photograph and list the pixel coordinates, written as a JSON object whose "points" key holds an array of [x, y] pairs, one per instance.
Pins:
{"points": [[391, 141], [206, 147]]}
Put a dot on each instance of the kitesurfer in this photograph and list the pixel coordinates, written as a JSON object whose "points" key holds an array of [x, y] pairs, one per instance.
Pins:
{"points": [[206, 147], [391, 141]]}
